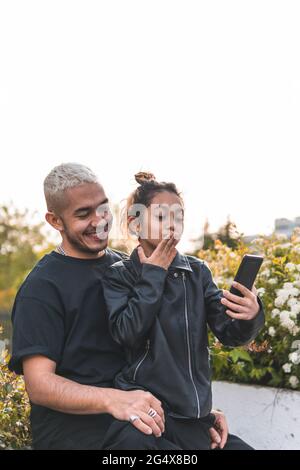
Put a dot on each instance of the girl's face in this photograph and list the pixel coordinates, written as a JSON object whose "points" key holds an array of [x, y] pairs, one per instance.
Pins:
{"points": [[163, 218]]}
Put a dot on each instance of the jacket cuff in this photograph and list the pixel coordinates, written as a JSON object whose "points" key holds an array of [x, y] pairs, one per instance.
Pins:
{"points": [[154, 272], [256, 323]]}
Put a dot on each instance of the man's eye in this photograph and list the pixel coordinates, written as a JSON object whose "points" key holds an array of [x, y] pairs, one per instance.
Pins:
{"points": [[82, 215]]}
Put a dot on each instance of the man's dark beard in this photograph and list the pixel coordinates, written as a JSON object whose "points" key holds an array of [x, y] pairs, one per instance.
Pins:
{"points": [[77, 245]]}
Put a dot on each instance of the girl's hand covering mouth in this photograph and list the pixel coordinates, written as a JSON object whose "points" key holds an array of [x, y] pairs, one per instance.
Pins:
{"points": [[163, 254]]}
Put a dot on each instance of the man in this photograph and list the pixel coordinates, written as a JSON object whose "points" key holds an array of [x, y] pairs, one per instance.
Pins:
{"points": [[61, 341]]}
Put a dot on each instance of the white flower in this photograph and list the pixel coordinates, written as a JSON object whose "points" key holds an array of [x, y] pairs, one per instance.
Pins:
{"points": [[290, 266], [287, 322], [261, 291], [272, 280], [284, 317], [279, 301], [296, 344], [294, 357], [295, 309], [287, 367], [294, 381], [295, 330], [294, 292], [275, 312], [272, 331], [284, 294], [290, 290]]}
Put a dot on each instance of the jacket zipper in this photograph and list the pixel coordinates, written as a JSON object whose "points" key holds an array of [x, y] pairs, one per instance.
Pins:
{"points": [[142, 360], [188, 344]]}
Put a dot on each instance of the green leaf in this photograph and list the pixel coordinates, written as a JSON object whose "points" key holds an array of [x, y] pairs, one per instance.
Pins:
{"points": [[240, 354]]}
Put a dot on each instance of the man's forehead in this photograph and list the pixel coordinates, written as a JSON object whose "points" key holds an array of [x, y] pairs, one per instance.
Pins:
{"points": [[86, 195]]}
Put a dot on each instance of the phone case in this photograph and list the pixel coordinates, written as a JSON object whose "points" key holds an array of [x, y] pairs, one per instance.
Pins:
{"points": [[247, 272]]}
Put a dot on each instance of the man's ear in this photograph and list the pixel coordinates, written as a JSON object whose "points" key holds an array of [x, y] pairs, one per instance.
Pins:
{"points": [[54, 220]]}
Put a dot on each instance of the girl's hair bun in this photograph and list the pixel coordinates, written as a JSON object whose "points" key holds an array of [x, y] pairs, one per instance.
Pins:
{"points": [[143, 177]]}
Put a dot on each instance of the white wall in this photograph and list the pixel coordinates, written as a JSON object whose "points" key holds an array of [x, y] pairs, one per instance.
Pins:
{"points": [[265, 417]]}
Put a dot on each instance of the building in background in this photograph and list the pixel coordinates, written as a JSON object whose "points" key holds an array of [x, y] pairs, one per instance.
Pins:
{"points": [[285, 226]]}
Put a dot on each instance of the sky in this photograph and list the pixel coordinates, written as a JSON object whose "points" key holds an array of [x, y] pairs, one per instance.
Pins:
{"points": [[205, 94]]}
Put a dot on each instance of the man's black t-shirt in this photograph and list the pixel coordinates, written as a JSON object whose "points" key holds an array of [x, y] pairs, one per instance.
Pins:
{"points": [[59, 312]]}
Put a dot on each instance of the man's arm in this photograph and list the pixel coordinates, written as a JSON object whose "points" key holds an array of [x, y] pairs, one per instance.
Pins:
{"points": [[48, 389]]}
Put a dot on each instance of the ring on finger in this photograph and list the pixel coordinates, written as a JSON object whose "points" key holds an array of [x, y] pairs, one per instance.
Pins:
{"points": [[133, 418], [152, 413]]}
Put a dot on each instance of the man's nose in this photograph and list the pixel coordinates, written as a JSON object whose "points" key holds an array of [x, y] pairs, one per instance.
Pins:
{"points": [[98, 216]]}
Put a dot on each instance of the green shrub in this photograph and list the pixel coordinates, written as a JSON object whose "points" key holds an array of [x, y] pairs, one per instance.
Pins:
{"points": [[14, 408], [274, 357]]}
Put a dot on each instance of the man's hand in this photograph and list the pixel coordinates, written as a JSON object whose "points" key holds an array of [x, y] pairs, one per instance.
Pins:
{"points": [[122, 405], [46, 388], [163, 254], [247, 306], [219, 432]]}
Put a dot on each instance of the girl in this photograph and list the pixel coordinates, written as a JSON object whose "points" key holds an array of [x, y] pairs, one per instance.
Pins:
{"points": [[159, 304]]}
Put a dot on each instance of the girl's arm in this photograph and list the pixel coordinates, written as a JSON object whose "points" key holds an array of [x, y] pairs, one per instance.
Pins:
{"points": [[132, 304]]}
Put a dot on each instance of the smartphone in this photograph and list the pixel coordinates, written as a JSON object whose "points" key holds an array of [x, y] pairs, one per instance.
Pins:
{"points": [[247, 272]]}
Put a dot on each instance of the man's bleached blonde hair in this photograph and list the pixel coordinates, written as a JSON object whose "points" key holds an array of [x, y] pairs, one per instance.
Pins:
{"points": [[62, 177]]}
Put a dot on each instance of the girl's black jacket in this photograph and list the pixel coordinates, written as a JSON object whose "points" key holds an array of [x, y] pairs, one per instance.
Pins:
{"points": [[160, 317]]}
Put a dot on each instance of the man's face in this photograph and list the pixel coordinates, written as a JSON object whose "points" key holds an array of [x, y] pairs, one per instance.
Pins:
{"points": [[86, 218]]}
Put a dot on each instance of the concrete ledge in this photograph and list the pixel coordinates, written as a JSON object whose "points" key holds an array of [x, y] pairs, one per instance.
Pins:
{"points": [[265, 417]]}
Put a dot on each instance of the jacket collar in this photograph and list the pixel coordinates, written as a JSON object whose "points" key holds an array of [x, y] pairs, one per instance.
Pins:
{"points": [[179, 262]]}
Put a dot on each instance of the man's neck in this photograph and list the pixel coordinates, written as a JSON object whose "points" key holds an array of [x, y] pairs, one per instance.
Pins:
{"points": [[68, 250]]}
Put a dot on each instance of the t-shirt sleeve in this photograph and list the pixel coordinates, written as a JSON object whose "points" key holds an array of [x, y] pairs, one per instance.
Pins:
{"points": [[38, 329]]}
